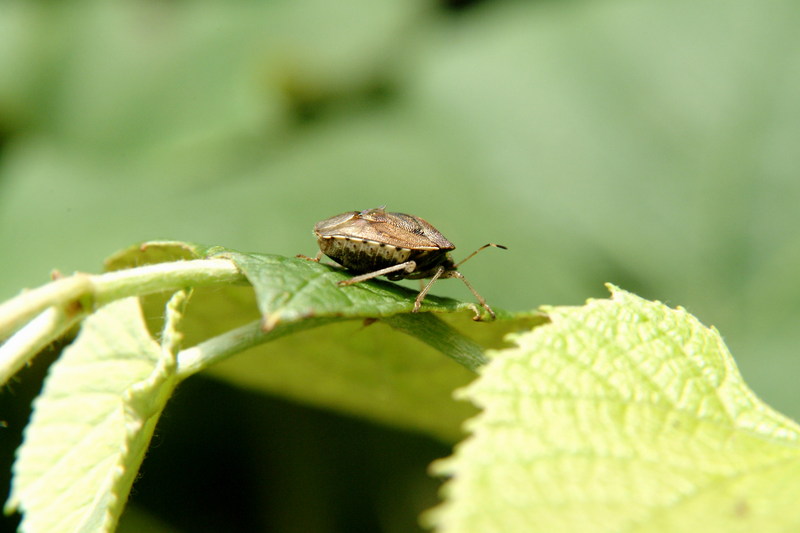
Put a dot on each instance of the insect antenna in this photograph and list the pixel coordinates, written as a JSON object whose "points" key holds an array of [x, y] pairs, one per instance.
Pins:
{"points": [[470, 256]]}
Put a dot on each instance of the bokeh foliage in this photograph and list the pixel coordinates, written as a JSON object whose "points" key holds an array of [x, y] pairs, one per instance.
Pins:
{"points": [[649, 144]]}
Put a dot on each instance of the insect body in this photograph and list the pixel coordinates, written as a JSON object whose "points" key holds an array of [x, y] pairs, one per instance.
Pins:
{"points": [[374, 243]]}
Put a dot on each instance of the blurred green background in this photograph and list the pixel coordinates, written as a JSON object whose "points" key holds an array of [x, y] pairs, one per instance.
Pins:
{"points": [[655, 145]]}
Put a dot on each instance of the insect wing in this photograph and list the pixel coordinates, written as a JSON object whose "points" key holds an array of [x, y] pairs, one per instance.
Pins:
{"points": [[416, 228], [333, 226], [376, 226]]}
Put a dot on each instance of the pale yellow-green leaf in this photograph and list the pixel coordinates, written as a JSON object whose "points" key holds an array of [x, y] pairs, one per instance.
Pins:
{"points": [[621, 415], [92, 424]]}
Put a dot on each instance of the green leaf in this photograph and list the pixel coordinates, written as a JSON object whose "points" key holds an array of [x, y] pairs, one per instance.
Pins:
{"points": [[621, 415], [151, 252], [373, 371], [92, 424], [290, 289]]}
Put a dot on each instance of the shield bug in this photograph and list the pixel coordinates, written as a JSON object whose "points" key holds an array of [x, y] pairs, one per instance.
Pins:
{"points": [[374, 243]]}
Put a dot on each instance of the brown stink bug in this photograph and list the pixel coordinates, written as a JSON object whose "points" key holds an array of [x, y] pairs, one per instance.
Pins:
{"points": [[374, 243]]}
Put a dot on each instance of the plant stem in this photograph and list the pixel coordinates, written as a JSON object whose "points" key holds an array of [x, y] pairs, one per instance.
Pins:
{"points": [[31, 339], [62, 303], [20, 309], [81, 292]]}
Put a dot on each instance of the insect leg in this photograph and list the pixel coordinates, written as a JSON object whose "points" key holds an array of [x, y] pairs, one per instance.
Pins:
{"points": [[408, 266], [459, 275], [318, 259], [315, 259], [426, 288]]}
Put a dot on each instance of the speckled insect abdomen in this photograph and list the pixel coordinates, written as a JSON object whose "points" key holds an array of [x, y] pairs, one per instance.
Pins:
{"points": [[364, 256]]}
